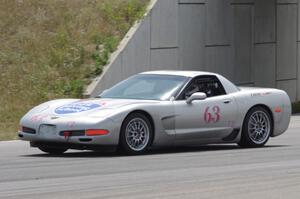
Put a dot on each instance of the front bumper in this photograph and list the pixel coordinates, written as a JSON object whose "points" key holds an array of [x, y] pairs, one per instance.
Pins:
{"points": [[111, 139]]}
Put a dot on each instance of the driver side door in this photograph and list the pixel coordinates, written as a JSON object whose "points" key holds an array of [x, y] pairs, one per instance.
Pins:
{"points": [[207, 120]]}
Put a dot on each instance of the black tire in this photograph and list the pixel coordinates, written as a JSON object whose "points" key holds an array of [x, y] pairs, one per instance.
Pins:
{"points": [[256, 134], [52, 150], [127, 138]]}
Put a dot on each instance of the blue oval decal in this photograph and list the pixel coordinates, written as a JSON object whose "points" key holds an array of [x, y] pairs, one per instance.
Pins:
{"points": [[76, 107]]}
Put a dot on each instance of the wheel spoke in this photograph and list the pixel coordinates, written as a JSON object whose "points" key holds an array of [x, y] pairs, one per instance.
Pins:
{"points": [[261, 118], [253, 123], [142, 128], [131, 127], [256, 117], [253, 119]]}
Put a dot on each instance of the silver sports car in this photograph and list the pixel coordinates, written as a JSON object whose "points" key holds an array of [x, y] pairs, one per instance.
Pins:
{"points": [[160, 108]]}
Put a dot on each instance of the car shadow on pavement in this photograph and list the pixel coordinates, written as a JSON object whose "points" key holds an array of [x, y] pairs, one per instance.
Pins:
{"points": [[160, 151]]}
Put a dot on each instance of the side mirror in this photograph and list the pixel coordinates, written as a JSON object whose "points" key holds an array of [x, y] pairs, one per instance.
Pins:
{"points": [[196, 96]]}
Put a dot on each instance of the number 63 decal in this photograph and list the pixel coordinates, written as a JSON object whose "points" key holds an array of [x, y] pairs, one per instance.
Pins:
{"points": [[212, 114]]}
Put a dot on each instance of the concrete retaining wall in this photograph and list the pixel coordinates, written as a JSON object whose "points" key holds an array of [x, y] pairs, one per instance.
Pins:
{"points": [[251, 42]]}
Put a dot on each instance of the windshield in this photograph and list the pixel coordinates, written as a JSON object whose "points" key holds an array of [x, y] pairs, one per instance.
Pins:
{"points": [[146, 86]]}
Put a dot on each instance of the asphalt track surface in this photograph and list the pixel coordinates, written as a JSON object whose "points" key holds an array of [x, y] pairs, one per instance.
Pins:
{"points": [[218, 171]]}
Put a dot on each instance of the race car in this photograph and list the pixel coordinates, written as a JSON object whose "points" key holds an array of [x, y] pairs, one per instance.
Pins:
{"points": [[160, 108]]}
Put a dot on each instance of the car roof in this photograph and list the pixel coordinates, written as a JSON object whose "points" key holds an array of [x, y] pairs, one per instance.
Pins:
{"points": [[179, 72]]}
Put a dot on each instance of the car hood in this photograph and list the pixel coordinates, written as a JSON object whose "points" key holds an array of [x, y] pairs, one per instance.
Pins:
{"points": [[83, 107]]}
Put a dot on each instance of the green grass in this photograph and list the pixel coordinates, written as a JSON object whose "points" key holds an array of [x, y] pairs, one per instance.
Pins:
{"points": [[52, 49]]}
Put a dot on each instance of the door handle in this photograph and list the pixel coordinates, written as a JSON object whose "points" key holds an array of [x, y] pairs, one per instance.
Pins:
{"points": [[227, 101]]}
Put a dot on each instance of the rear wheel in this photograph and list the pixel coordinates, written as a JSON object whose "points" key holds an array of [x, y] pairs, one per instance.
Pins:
{"points": [[257, 128], [136, 134], [52, 150]]}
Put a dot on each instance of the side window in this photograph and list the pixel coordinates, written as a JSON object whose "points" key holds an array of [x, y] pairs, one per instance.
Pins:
{"points": [[210, 85]]}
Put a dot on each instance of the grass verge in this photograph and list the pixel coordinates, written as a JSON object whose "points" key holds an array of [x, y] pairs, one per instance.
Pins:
{"points": [[52, 48]]}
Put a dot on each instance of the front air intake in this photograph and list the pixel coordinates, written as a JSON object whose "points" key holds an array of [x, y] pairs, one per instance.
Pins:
{"points": [[28, 130]]}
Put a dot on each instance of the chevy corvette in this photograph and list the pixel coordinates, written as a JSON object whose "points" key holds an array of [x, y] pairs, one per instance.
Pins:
{"points": [[160, 108]]}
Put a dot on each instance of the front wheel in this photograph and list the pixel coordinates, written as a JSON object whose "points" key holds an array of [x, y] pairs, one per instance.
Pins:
{"points": [[136, 134], [257, 128], [52, 150]]}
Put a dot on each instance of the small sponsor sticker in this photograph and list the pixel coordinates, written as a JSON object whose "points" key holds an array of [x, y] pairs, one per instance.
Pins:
{"points": [[260, 94]]}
